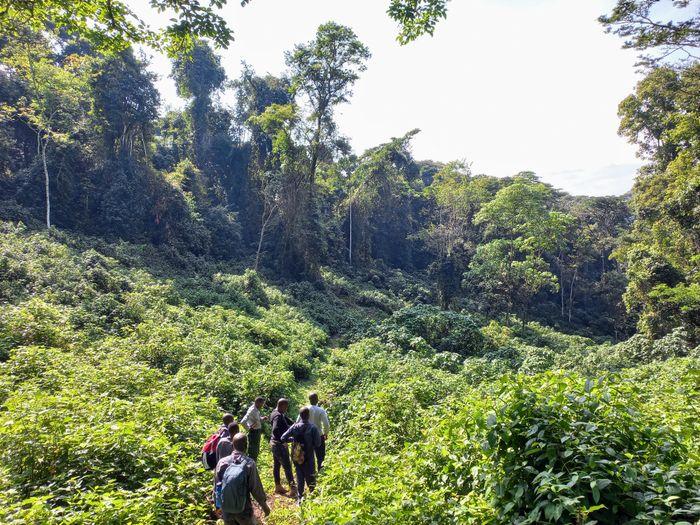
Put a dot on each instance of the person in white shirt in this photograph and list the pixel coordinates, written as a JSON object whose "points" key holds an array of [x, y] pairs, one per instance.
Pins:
{"points": [[319, 417], [252, 421]]}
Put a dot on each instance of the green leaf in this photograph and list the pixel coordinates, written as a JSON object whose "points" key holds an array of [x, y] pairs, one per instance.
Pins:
{"points": [[596, 491]]}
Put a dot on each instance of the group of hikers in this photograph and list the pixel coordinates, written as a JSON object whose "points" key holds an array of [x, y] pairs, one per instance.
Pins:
{"points": [[233, 455]]}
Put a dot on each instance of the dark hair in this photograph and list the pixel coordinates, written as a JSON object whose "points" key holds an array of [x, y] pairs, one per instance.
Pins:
{"points": [[233, 428], [240, 442], [313, 398], [282, 401], [259, 399], [228, 419], [304, 414]]}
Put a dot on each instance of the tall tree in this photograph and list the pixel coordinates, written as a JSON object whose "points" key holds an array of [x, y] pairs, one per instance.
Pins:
{"points": [[661, 255], [278, 174], [125, 102], [198, 76], [56, 98], [451, 235], [378, 204], [324, 71], [511, 268]]}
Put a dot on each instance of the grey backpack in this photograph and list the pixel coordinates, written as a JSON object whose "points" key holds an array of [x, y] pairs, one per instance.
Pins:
{"points": [[234, 488]]}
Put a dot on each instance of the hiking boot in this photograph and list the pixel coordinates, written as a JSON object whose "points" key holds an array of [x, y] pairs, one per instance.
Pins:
{"points": [[292, 491], [279, 489]]}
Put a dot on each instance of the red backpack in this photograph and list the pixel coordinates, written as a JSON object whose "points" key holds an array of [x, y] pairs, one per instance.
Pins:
{"points": [[209, 451]]}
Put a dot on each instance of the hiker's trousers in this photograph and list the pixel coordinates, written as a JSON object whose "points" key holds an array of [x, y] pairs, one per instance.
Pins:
{"points": [[280, 459], [306, 475], [254, 435]]}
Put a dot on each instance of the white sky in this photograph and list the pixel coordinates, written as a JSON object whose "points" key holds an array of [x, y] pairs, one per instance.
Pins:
{"points": [[508, 85]]}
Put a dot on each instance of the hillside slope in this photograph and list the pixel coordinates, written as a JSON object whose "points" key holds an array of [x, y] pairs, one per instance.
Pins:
{"points": [[116, 361]]}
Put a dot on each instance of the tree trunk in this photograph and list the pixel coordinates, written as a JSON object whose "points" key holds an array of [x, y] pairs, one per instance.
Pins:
{"points": [[41, 146], [263, 227], [350, 237], [315, 146], [571, 293], [561, 289]]}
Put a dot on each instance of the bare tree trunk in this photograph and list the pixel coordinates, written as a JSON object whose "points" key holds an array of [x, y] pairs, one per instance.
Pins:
{"points": [[561, 289], [316, 145], [561, 281], [143, 142], [263, 227], [41, 146], [571, 293], [350, 240]]}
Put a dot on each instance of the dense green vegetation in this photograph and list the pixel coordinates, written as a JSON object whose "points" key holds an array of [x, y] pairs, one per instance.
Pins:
{"points": [[491, 350], [114, 366]]}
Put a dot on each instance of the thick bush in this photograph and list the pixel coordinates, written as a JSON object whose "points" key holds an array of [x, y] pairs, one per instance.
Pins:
{"points": [[550, 448], [443, 330]]}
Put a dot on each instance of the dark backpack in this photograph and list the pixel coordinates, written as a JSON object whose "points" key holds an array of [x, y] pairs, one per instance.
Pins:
{"points": [[209, 451], [298, 454], [234, 488]]}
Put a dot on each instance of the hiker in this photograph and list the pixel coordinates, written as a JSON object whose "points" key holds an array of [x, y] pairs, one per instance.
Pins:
{"points": [[226, 420], [319, 417], [236, 480], [252, 421], [305, 438], [225, 445], [209, 451], [280, 451]]}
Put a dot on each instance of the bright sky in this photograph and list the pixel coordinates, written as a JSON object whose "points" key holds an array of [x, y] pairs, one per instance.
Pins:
{"points": [[508, 85]]}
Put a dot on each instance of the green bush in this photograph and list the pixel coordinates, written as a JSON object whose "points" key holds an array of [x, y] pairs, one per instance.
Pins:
{"points": [[33, 323], [443, 330]]}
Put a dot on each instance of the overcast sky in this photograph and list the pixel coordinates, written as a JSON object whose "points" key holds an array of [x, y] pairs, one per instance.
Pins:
{"points": [[507, 85]]}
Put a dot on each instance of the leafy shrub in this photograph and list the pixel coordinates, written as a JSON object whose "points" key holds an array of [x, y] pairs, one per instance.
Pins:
{"points": [[246, 289], [448, 361], [443, 330], [32, 323], [536, 359]]}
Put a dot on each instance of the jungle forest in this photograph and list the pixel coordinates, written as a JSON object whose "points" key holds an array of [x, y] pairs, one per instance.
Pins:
{"points": [[489, 349]]}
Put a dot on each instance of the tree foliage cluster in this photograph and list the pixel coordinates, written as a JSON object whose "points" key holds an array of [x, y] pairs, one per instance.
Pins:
{"points": [[266, 175]]}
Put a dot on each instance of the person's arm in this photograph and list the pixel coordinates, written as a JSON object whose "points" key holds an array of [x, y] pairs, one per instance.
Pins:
{"points": [[219, 473], [245, 419], [289, 434], [256, 489], [325, 422], [316, 435]]}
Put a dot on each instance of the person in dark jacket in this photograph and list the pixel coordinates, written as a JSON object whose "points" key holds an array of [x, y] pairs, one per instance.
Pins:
{"points": [[255, 488], [308, 436], [280, 451]]}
